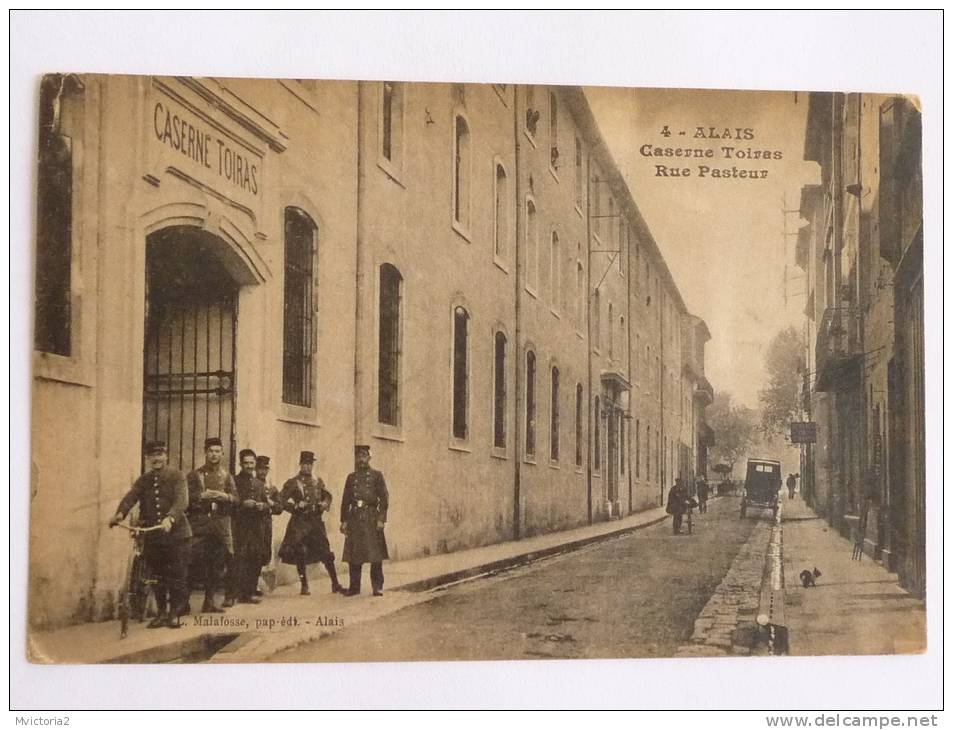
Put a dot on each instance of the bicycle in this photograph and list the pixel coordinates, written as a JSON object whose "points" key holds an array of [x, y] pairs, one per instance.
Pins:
{"points": [[138, 584]]}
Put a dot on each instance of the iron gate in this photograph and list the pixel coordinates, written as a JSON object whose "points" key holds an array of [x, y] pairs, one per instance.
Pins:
{"points": [[189, 353]]}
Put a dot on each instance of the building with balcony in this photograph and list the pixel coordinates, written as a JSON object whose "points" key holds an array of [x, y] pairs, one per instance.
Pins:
{"points": [[864, 389]]}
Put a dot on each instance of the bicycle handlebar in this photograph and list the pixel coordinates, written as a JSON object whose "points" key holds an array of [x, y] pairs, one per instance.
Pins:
{"points": [[138, 530]]}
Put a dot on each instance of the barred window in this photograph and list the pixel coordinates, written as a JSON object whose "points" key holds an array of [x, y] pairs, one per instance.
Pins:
{"points": [[461, 372], [578, 424], [530, 403], [389, 346], [499, 391], [299, 305], [60, 100], [554, 415]]}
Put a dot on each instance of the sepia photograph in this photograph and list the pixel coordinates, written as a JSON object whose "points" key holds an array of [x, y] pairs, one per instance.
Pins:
{"points": [[391, 369]]}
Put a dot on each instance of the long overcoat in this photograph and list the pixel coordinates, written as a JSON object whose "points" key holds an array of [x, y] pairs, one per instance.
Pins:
{"points": [[306, 540], [364, 504], [248, 528]]}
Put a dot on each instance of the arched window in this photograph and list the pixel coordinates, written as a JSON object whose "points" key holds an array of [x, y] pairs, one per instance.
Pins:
{"points": [[499, 391], [554, 269], [530, 403], [461, 372], [579, 418], [389, 346], [500, 225], [60, 147], [596, 320], [597, 435], [392, 121], [299, 305], [532, 246], [554, 414], [580, 295], [461, 172]]}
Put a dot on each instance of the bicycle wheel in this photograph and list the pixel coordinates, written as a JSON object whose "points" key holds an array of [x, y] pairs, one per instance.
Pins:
{"points": [[138, 588]]}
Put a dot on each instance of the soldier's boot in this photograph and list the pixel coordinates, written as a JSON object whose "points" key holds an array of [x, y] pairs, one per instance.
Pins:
{"points": [[305, 590], [336, 586], [208, 606]]}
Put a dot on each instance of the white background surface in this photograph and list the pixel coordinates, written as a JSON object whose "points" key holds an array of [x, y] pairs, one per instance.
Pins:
{"points": [[891, 52]]}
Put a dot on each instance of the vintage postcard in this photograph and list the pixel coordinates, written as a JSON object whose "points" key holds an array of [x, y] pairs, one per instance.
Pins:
{"points": [[394, 371]]}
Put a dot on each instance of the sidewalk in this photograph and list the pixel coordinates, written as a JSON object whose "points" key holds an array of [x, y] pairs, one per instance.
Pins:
{"points": [[856, 607], [284, 619]]}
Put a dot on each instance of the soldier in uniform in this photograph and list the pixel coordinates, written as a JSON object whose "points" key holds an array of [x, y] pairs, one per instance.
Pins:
{"points": [[306, 540], [163, 497], [212, 495], [248, 528], [262, 468], [363, 515]]}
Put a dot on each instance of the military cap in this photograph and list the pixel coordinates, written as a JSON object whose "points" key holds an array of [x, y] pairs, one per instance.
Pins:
{"points": [[263, 461], [307, 457], [362, 449], [155, 447], [213, 441]]}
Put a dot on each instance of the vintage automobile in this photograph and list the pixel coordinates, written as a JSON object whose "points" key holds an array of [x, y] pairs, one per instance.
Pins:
{"points": [[762, 486]]}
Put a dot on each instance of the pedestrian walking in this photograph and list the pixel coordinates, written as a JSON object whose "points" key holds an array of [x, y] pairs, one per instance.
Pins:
{"points": [[701, 491], [248, 528], [676, 505], [163, 497], [792, 485], [364, 507], [212, 494], [262, 470], [306, 540]]}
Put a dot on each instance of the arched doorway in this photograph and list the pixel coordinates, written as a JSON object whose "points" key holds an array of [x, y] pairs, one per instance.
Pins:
{"points": [[189, 349]]}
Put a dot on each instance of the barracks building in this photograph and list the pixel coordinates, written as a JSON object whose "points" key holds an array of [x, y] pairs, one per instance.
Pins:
{"points": [[455, 274]]}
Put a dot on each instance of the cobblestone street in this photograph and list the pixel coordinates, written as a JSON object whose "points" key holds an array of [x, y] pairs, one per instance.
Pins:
{"points": [[649, 594]]}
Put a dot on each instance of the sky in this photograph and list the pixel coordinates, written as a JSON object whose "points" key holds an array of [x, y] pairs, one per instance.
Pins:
{"points": [[721, 237]]}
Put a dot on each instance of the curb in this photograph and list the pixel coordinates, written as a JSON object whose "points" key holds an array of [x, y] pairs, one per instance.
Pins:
{"points": [[207, 645], [425, 584]]}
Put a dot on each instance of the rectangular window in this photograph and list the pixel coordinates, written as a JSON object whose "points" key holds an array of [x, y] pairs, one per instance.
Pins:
{"points": [[532, 114], [299, 294], [499, 391], [530, 403], [554, 271], [59, 98], [461, 373], [553, 131], [388, 364], [554, 416], [580, 295]]}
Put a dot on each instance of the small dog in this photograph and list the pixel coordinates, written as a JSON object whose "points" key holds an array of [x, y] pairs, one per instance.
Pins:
{"points": [[809, 578]]}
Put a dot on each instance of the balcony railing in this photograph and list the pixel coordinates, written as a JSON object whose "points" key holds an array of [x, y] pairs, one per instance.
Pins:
{"points": [[836, 350]]}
